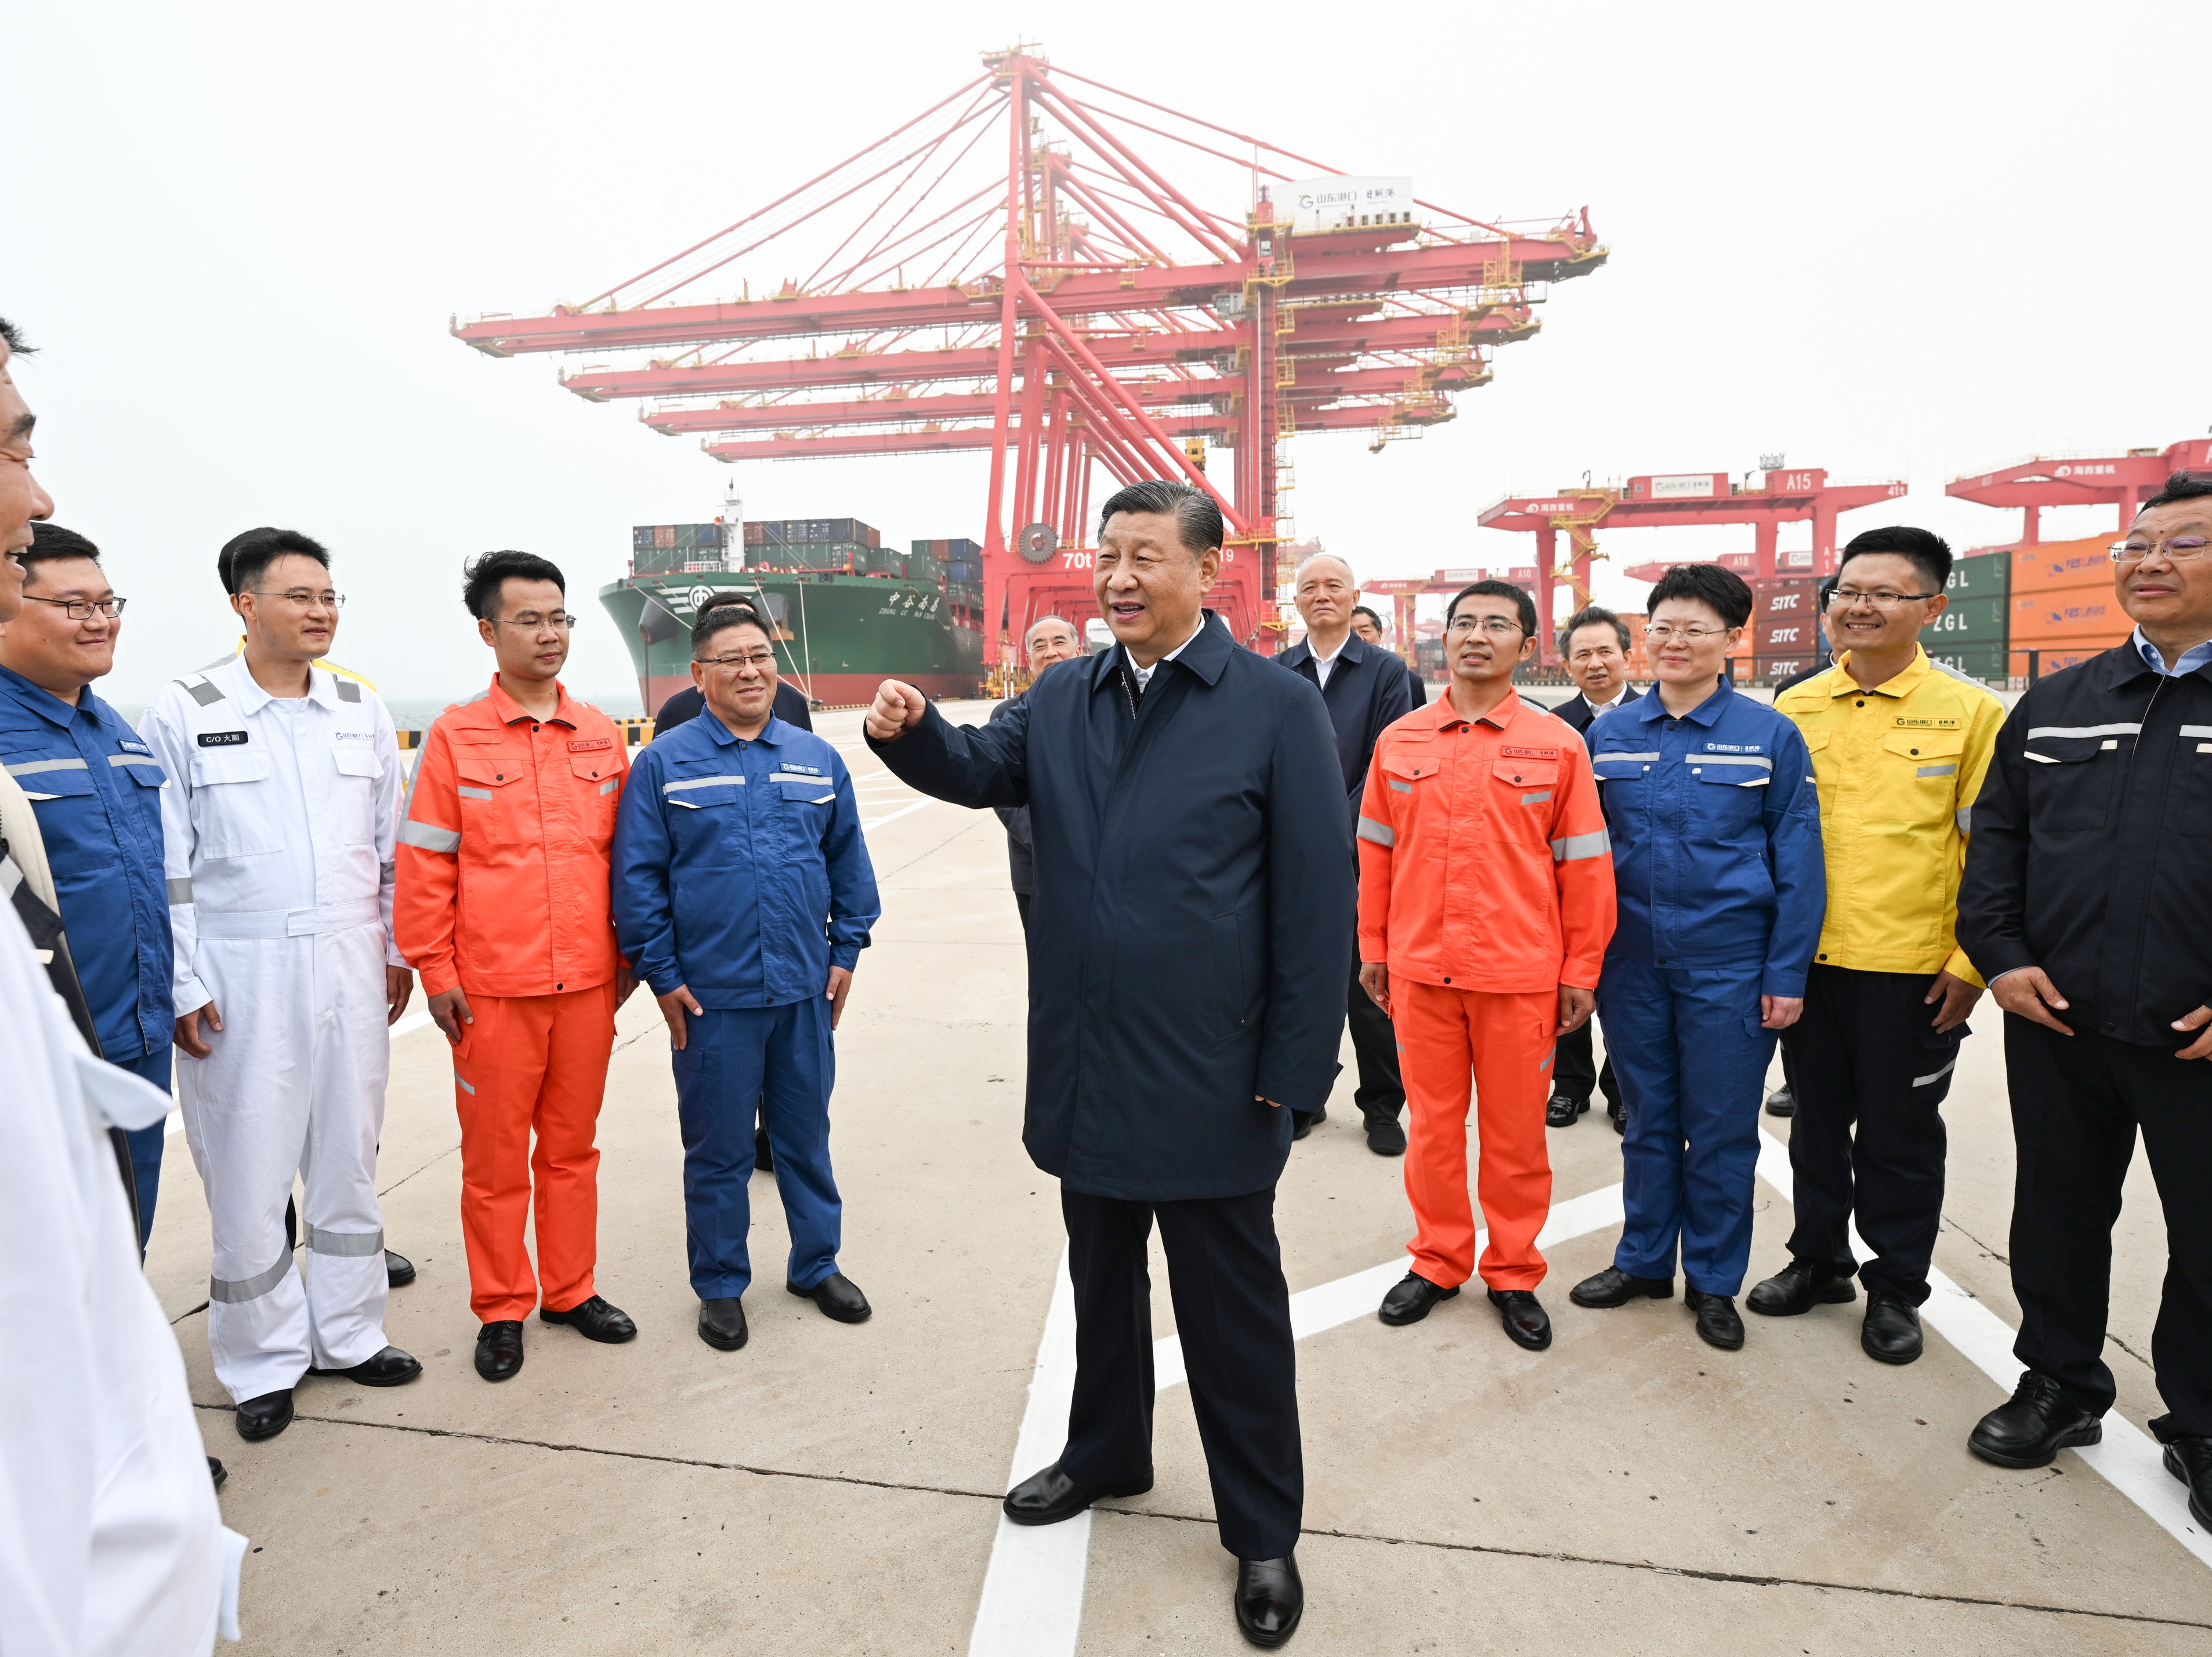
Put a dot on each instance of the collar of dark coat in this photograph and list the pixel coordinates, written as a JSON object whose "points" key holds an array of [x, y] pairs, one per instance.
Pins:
{"points": [[2124, 664], [1207, 656], [1354, 651]]}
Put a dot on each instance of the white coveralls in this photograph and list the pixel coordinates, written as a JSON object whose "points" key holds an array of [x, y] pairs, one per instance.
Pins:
{"points": [[109, 1544], [279, 822]]}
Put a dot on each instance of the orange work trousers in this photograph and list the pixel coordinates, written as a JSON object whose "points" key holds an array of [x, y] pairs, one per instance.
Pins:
{"points": [[1503, 1043], [531, 1064]]}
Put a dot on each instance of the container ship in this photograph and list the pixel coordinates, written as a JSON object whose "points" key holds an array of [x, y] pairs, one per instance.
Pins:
{"points": [[846, 612]]}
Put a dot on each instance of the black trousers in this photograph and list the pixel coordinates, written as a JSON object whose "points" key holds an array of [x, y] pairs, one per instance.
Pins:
{"points": [[1574, 1067], [1022, 903], [1868, 1139], [2077, 1103], [1233, 1312], [1375, 1044]]}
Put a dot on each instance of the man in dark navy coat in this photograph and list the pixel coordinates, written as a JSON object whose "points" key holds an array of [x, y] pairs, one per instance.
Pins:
{"points": [[1364, 687], [1188, 820]]}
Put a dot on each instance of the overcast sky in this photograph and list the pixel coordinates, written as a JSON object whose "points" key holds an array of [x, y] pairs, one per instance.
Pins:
{"points": [[1895, 240]]}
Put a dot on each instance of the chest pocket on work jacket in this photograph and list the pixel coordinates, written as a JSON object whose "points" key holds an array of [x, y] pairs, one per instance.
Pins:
{"points": [[358, 770], [1624, 782], [2072, 781], [707, 816], [1920, 776], [1729, 792], [2193, 781], [490, 810], [46, 775], [227, 814], [1519, 810], [598, 791]]}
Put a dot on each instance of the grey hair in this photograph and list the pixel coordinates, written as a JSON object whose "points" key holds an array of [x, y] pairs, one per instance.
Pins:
{"points": [[1197, 514], [1313, 559], [1041, 621]]}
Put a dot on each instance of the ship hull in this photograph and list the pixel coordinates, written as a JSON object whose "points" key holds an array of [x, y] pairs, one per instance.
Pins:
{"points": [[837, 637]]}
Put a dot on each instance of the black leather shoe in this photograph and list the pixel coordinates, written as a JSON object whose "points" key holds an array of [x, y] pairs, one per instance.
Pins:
{"points": [[1526, 1323], [2030, 1431], [838, 1296], [594, 1319], [1891, 1333], [264, 1416], [390, 1368], [1562, 1111], [1613, 1287], [1797, 1288], [1781, 1102], [1302, 1123], [722, 1322], [764, 1159], [218, 1472], [1619, 1115], [2190, 1461], [499, 1350], [1270, 1599], [1718, 1324], [399, 1269], [1048, 1497], [1413, 1300], [1385, 1137]]}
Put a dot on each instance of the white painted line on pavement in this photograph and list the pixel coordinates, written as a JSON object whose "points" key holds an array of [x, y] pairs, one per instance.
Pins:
{"points": [[1032, 1604], [893, 817], [2130, 1458]]}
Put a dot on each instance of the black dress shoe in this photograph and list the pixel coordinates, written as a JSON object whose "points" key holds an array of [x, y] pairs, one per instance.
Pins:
{"points": [[1562, 1111], [594, 1319], [2030, 1431], [1717, 1322], [1302, 1123], [764, 1159], [1270, 1599], [1783, 1101], [838, 1296], [1797, 1288], [1526, 1323], [1613, 1287], [722, 1322], [218, 1472], [1619, 1115], [1413, 1300], [264, 1416], [399, 1269], [1891, 1333], [499, 1350], [1048, 1497], [1385, 1137], [390, 1368], [2190, 1461]]}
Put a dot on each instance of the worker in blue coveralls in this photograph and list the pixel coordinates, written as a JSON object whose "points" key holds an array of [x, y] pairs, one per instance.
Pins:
{"points": [[743, 896], [1716, 830]]}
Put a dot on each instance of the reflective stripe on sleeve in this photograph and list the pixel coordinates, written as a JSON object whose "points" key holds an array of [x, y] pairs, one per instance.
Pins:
{"points": [[468, 793], [134, 759], [181, 891], [1951, 770], [1534, 799], [608, 787], [33, 767], [429, 837], [2195, 730], [463, 1083], [1966, 816], [1937, 1075], [1575, 846], [1600, 759], [250, 1289], [347, 690], [1381, 834], [682, 782], [1723, 760], [2035, 731], [345, 1244], [205, 694]]}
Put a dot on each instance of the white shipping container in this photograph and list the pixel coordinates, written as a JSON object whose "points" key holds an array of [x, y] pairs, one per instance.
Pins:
{"points": [[1345, 204]]}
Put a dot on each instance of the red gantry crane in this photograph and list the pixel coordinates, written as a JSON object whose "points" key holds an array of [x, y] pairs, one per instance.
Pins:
{"points": [[2078, 479], [1789, 495], [1007, 271]]}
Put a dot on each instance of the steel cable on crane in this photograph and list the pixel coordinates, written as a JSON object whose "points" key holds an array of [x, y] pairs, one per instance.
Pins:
{"points": [[906, 253], [1104, 143], [920, 162]]}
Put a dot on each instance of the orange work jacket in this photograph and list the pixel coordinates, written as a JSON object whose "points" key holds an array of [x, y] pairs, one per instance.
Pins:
{"points": [[504, 849], [1484, 861]]}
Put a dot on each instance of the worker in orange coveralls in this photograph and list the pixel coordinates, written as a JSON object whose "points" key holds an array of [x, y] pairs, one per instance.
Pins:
{"points": [[502, 906], [1485, 904]]}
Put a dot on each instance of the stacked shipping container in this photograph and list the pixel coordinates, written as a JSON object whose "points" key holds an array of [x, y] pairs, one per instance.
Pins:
{"points": [[1969, 636], [2061, 604], [672, 549]]}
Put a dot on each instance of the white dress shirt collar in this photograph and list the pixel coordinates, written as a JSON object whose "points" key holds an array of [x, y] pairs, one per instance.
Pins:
{"points": [[1144, 675]]}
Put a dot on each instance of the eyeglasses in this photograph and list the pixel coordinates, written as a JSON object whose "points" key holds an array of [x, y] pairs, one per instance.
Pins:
{"points": [[1496, 627], [560, 621], [751, 658], [2180, 550], [81, 609], [1666, 631], [1847, 596], [302, 599]]}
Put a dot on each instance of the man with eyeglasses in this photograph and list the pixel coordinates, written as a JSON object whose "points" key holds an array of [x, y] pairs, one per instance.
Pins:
{"points": [[2088, 888], [97, 791], [504, 861], [743, 895], [1485, 903], [278, 823], [1900, 744]]}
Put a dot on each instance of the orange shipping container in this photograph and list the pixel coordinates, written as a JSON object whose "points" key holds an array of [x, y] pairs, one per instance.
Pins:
{"points": [[2058, 564], [2087, 618]]}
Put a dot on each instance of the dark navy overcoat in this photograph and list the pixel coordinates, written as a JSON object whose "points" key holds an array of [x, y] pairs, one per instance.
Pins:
{"points": [[1192, 928]]}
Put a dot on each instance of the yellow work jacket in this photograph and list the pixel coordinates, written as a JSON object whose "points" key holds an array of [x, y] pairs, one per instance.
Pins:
{"points": [[1896, 768]]}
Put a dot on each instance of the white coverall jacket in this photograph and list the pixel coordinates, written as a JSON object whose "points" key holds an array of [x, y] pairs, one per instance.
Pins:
{"points": [[279, 823]]}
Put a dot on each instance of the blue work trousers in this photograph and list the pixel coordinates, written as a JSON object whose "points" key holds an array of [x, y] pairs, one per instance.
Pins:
{"points": [[146, 1144], [1687, 1043], [780, 1061]]}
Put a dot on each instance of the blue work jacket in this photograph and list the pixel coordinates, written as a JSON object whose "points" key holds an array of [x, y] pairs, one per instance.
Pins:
{"points": [[739, 869], [97, 791], [1716, 828]]}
